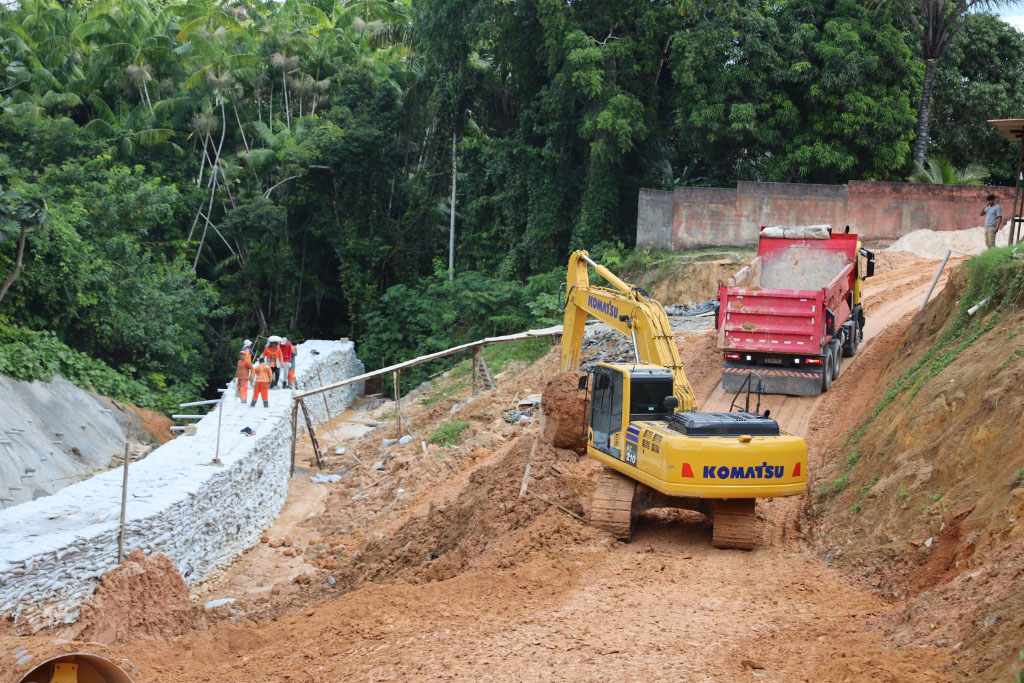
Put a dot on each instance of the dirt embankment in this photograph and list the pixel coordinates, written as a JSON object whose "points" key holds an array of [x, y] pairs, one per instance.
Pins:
{"points": [[143, 598], [689, 281], [924, 501]]}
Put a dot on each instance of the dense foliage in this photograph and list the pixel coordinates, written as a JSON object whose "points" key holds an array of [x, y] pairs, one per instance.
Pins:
{"points": [[189, 173]]}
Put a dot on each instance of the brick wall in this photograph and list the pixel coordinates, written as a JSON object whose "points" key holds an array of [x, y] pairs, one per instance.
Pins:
{"points": [[879, 212]]}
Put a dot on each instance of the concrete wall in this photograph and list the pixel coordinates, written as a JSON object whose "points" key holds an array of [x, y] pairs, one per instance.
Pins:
{"points": [[54, 549], [880, 212]]}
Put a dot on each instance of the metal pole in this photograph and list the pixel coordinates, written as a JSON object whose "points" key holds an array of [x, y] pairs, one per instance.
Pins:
{"points": [[1017, 209], [216, 453], [295, 426], [124, 505], [327, 410], [398, 416], [935, 280]]}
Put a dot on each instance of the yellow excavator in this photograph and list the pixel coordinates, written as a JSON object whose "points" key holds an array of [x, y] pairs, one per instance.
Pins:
{"points": [[643, 424]]}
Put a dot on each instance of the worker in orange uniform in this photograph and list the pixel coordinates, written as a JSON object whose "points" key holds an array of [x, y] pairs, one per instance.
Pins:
{"points": [[242, 373], [262, 374], [247, 348], [272, 354], [288, 362]]}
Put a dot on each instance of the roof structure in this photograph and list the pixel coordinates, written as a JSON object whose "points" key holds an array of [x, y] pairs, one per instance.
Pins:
{"points": [[1011, 129]]}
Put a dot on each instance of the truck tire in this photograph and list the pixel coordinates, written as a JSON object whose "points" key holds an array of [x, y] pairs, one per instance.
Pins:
{"points": [[851, 346], [826, 375], [837, 359]]}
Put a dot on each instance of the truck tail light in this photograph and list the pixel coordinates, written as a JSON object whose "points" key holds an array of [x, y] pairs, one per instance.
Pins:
{"points": [[685, 471], [812, 361], [732, 356]]}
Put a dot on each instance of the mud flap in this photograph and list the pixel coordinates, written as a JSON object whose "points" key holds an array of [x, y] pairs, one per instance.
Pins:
{"points": [[774, 380]]}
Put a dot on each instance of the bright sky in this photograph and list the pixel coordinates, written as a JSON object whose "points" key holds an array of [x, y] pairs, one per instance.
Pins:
{"points": [[1014, 14]]}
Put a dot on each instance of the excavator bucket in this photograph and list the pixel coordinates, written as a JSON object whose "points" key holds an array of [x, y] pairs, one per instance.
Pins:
{"points": [[79, 667]]}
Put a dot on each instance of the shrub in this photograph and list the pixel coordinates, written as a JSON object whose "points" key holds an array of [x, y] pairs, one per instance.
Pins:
{"points": [[448, 434]]}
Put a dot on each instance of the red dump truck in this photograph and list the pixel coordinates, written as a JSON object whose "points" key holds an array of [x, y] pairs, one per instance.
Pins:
{"points": [[786, 319]]}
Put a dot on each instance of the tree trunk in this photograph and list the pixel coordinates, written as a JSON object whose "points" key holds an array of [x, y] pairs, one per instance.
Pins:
{"points": [[149, 102], [287, 109], [19, 264], [451, 227], [924, 112]]}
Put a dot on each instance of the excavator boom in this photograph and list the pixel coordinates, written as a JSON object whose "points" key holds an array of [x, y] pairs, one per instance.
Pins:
{"points": [[625, 308]]}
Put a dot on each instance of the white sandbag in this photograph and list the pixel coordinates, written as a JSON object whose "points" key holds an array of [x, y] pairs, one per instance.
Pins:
{"points": [[798, 232]]}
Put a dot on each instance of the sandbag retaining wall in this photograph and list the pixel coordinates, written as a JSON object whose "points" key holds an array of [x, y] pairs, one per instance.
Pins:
{"points": [[53, 550]]}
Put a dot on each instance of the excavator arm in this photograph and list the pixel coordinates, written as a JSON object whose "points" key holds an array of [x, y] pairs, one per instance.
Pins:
{"points": [[627, 309]]}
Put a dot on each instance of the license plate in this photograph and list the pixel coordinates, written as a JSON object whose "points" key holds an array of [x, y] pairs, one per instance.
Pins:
{"points": [[773, 361]]}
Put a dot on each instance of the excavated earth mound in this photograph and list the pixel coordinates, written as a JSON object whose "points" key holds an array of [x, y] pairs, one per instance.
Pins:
{"points": [[563, 405], [143, 598], [485, 523]]}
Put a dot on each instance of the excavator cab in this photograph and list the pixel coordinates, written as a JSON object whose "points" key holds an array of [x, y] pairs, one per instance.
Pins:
{"points": [[646, 389]]}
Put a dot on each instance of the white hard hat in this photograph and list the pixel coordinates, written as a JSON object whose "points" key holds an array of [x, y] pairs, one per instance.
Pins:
{"points": [[248, 342], [284, 339]]}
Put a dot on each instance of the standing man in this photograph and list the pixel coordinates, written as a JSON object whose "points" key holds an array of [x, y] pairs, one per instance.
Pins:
{"points": [[287, 359], [993, 220], [242, 373], [263, 375], [247, 348], [272, 354]]}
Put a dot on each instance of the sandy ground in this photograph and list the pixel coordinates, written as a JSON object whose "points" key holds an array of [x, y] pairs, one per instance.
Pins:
{"points": [[665, 607]]}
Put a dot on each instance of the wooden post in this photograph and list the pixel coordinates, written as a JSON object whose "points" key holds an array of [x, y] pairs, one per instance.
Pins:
{"points": [[295, 427], [476, 350], [124, 505], [398, 416]]}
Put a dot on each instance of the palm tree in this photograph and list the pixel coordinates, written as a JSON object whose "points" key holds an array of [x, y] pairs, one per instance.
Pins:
{"points": [[936, 22], [940, 170]]}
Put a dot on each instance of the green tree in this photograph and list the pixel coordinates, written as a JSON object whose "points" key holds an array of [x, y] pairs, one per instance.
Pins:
{"points": [[826, 102], [20, 213], [981, 77], [935, 23]]}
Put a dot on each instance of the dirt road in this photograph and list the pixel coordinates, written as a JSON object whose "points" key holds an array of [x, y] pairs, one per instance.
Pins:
{"points": [[665, 607]]}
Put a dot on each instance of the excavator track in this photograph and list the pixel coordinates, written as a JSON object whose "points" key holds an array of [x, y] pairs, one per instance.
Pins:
{"points": [[734, 524], [611, 508]]}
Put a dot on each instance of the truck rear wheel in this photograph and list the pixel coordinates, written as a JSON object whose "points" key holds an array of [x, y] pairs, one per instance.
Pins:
{"points": [[837, 359], [826, 375], [851, 345]]}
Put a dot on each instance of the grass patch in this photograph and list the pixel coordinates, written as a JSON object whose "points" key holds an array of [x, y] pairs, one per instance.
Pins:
{"points": [[852, 457], [868, 486], [449, 433], [499, 356], [446, 391], [1018, 478], [993, 276]]}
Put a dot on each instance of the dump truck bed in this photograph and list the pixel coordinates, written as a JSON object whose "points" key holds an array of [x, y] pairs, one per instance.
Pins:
{"points": [[789, 301]]}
